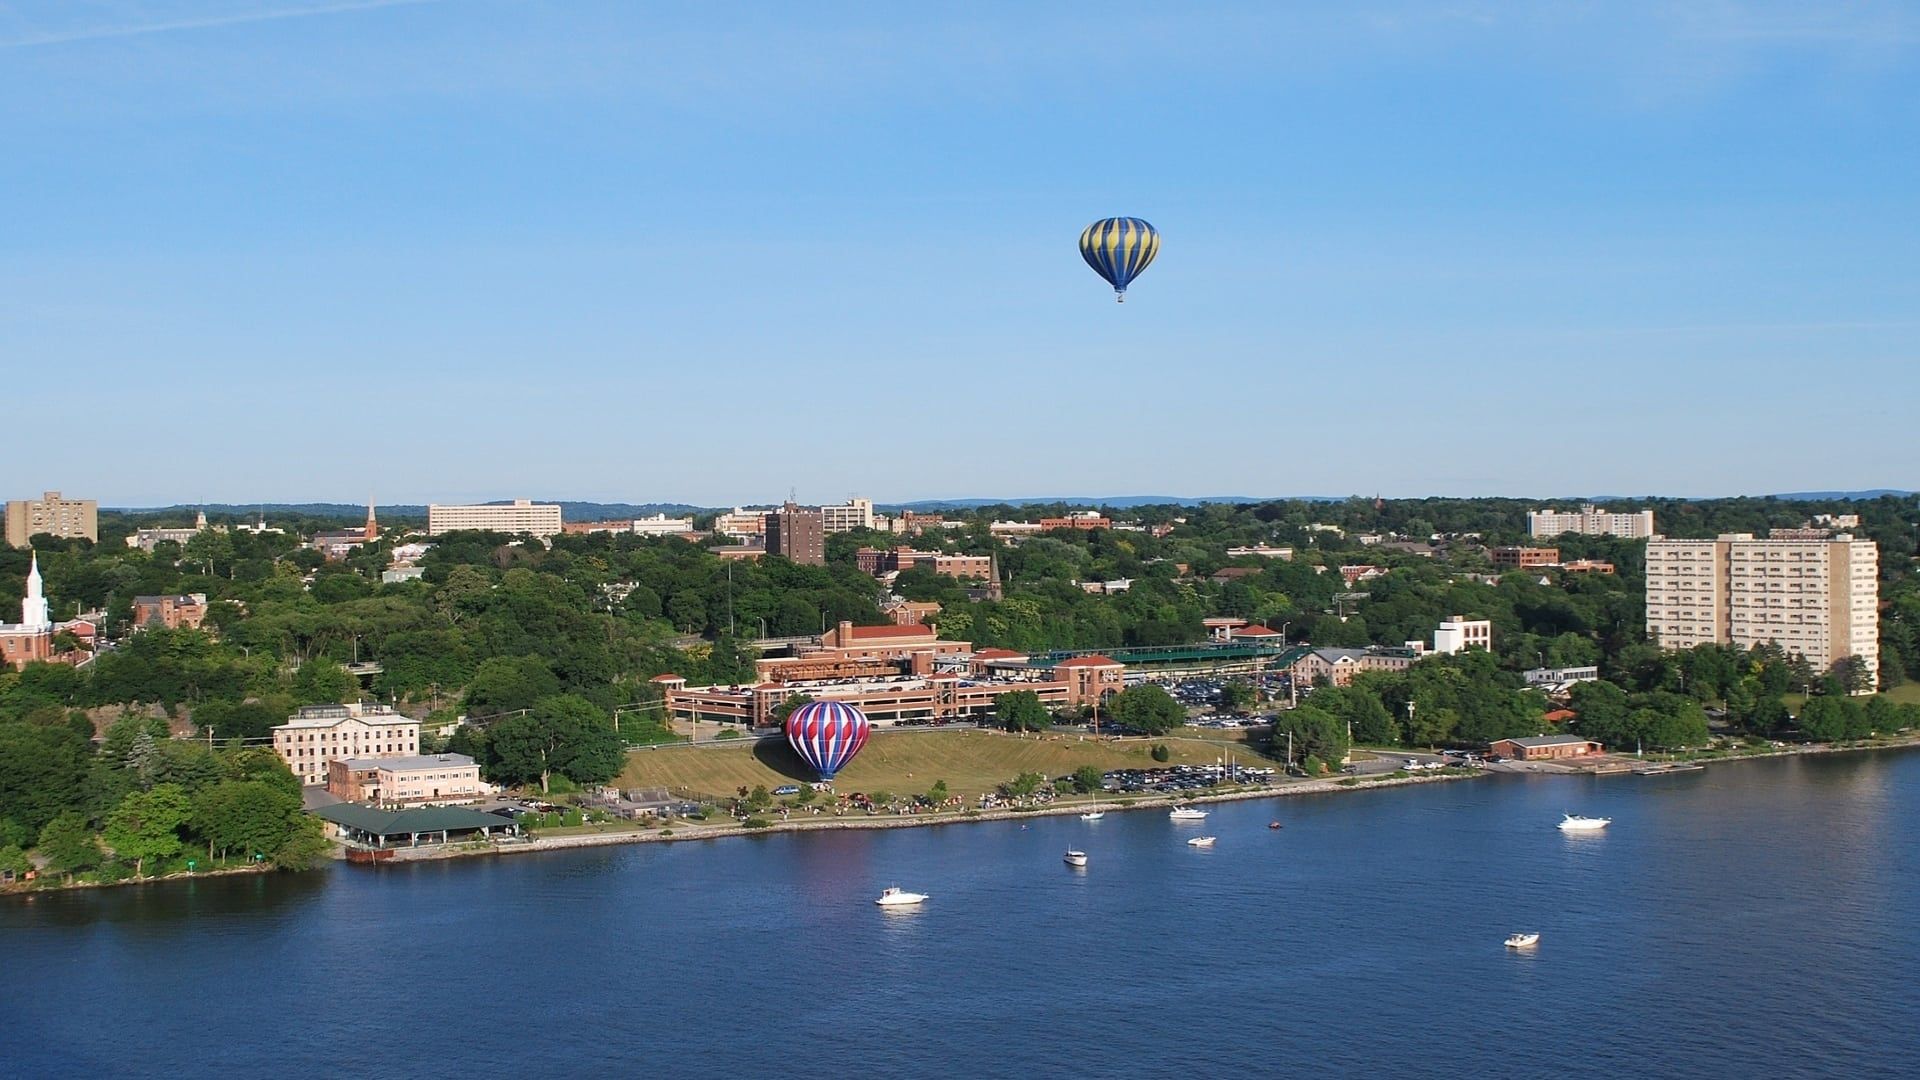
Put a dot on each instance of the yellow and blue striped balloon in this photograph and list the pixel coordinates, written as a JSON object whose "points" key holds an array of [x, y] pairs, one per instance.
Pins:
{"points": [[1118, 248]]}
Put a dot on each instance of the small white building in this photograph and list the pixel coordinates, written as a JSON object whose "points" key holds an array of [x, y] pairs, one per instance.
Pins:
{"points": [[1457, 633]]}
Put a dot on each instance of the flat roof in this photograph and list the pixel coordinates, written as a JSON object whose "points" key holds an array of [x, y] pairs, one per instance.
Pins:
{"points": [[1547, 740], [411, 761]]}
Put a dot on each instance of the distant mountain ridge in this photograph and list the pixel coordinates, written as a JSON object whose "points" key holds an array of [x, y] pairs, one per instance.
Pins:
{"points": [[597, 511]]}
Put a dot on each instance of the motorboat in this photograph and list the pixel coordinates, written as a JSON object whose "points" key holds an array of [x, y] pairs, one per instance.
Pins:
{"points": [[1522, 941], [1093, 815], [1273, 825], [1075, 858], [1201, 841], [894, 896], [1576, 823], [1187, 813]]}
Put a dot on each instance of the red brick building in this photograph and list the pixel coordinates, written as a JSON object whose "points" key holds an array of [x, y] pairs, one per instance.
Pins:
{"points": [[1526, 556], [172, 612]]}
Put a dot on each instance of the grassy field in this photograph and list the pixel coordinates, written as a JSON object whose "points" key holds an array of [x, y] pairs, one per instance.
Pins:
{"points": [[1904, 694], [970, 761]]}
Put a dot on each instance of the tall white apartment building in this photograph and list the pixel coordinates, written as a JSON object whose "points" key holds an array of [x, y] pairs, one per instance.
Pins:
{"points": [[852, 514], [318, 734], [1590, 520], [1815, 595], [520, 516]]}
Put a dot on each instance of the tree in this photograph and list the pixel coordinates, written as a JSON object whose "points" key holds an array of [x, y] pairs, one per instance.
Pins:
{"points": [[1147, 709], [936, 794], [564, 733], [1314, 732], [785, 708], [1022, 785], [1021, 710], [248, 816], [1827, 719], [69, 845], [322, 681], [1088, 778], [43, 771], [146, 825], [1237, 697], [1684, 726]]}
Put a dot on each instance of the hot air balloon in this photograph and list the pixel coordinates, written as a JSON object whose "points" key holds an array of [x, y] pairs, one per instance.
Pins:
{"points": [[1118, 248], [826, 734]]}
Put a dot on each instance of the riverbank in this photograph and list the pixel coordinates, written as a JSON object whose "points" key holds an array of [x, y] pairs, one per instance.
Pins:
{"points": [[49, 885], [686, 832]]}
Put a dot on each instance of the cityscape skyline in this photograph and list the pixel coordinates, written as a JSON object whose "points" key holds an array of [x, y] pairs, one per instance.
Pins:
{"points": [[589, 249]]}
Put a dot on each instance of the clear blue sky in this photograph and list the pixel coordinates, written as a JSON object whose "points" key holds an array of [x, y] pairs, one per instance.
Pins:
{"points": [[266, 250]]}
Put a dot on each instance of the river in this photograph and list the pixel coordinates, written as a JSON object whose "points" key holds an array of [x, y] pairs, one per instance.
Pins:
{"points": [[1755, 919]]}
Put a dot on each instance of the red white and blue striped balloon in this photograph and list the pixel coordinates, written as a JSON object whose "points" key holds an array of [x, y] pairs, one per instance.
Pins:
{"points": [[826, 734]]}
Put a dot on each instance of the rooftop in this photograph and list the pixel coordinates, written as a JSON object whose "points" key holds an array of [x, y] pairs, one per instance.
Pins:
{"points": [[423, 819], [412, 761], [1548, 740]]}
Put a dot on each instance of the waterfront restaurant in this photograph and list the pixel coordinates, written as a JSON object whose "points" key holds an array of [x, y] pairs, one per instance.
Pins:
{"points": [[1546, 747], [366, 827]]}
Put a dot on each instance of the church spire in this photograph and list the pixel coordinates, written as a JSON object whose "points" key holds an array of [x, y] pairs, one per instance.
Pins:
{"points": [[373, 527], [33, 609]]}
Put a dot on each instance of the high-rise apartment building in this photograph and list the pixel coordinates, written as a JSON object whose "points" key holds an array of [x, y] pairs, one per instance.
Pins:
{"points": [[1817, 596], [1590, 521], [798, 534], [53, 515], [849, 515], [520, 516]]}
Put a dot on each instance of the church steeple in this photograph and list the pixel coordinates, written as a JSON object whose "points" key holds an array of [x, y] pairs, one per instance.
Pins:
{"points": [[33, 609], [373, 527]]}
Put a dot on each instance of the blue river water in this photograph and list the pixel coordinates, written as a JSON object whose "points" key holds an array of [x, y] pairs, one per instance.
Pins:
{"points": [[1758, 919]]}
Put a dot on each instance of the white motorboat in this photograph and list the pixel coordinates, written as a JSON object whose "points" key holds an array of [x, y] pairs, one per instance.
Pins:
{"points": [[1075, 858], [1522, 941], [1093, 815], [1200, 841], [894, 896], [1187, 813], [1576, 823]]}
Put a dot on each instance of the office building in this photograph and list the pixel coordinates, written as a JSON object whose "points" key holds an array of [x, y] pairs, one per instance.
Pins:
{"points": [[1815, 596], [1457, 633], [797, 534], [1590, 520], [52, 515], [179, 612], [847, 516], [318, 734], [741, 524], [520, 517], [1526, 556], [408, 780]]}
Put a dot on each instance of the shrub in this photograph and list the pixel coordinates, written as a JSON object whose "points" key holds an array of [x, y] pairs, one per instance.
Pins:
{"points": [[756, 822], [1161, 753]]}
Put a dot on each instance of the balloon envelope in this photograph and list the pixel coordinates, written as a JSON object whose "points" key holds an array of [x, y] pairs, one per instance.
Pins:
{"points": [[1118, 249], [826, 734]]}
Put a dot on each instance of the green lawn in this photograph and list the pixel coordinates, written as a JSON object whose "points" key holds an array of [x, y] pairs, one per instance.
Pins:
{"points": [[970, 761]]}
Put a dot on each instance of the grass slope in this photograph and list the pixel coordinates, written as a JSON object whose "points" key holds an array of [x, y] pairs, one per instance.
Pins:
{"points": [[970, 761]]}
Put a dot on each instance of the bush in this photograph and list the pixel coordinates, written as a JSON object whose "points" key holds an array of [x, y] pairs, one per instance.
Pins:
{"points": [[1161, 753], [1313, 766], [756, 822], [729, 733]]}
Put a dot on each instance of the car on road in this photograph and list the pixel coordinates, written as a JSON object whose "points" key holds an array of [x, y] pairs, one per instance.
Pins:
{"points": [[787, 789]]}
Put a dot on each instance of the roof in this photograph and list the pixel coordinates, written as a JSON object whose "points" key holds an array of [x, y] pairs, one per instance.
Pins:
{"points": [[890, 630], [412, 761], [402, 822], [1558, 715], [1548, 740], [1237, 571], [668, 677], [997, 654], [332, 719], [1096, 660], [1255, 630]]}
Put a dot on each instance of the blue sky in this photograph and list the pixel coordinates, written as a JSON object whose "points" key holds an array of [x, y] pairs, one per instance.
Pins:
{"points": [[265, 250]]}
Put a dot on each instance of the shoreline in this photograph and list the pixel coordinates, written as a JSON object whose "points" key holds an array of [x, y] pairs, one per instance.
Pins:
{"points": [[1290, 789], [1330, 785]]}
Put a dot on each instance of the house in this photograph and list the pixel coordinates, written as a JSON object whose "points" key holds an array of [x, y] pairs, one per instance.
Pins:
{"points": [[414, 778], [1546, 747], [1359, 572], [1233, 573]]}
